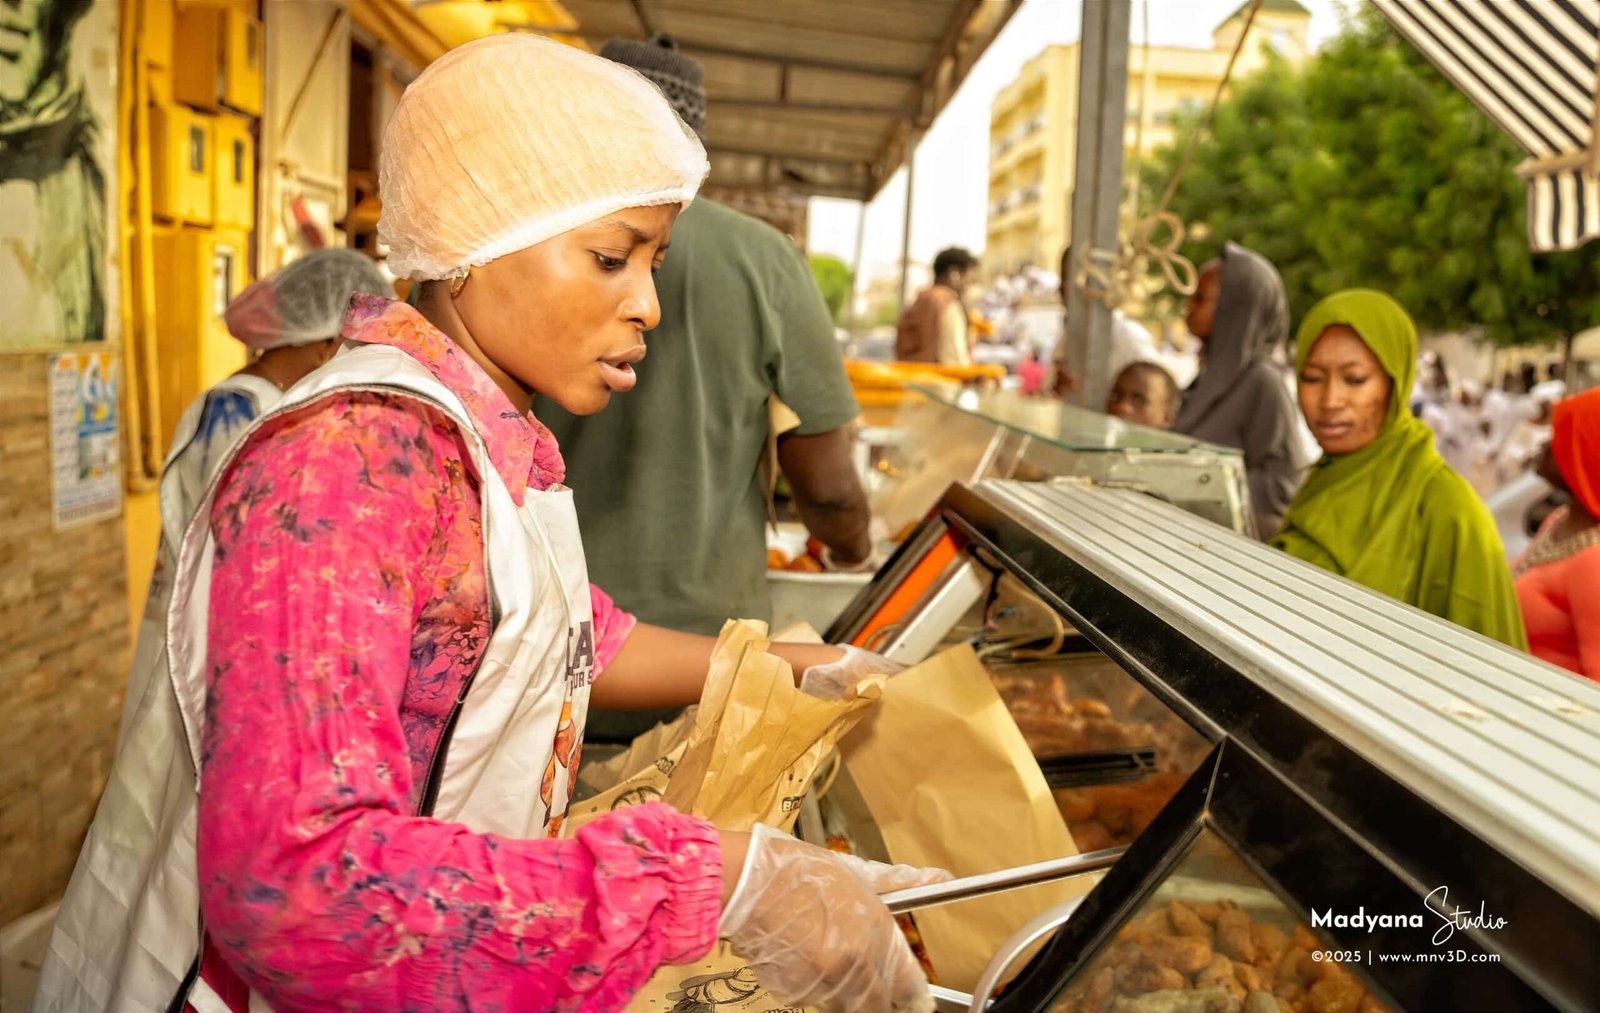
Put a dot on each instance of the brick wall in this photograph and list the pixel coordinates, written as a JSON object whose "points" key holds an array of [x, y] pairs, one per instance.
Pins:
{"points": [[64, 654]]}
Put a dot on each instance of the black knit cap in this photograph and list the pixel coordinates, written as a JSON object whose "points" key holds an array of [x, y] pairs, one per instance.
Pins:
{"points": [[680, 78]]}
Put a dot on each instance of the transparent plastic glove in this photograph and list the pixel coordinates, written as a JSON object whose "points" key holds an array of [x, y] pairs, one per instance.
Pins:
{"points": [[831, 680], [811, 926]]}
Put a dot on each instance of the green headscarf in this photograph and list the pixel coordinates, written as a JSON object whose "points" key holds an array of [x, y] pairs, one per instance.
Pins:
{"points": [[1393, 515]]}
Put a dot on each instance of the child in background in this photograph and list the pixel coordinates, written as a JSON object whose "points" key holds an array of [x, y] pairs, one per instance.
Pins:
{"points": [[1144, 393]]}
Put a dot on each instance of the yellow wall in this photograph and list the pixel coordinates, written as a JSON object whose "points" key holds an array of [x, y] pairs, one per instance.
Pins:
{"points": [[141, 523]]}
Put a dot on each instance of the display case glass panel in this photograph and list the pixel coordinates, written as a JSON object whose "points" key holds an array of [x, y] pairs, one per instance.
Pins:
{"points": [[942, 437], [1112, 753]]}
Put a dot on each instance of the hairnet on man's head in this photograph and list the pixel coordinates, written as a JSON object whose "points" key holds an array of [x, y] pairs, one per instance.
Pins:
{"points": [[512, 139], [303, 301], [680, 78]]}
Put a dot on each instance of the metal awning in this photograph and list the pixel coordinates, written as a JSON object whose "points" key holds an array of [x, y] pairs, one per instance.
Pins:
{"points": [[815, 97], [1530, 65]]}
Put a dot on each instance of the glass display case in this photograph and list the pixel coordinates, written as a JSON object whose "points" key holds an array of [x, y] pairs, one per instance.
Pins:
{"points": [[1111, 752], [946, 436], [1305, 797]]}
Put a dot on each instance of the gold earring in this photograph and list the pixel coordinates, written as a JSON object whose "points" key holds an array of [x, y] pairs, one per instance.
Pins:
{"points": [[457, 284]]}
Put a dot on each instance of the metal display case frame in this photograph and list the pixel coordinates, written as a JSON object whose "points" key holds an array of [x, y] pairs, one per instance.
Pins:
{"points": [[1366, 752], [971, 436]]}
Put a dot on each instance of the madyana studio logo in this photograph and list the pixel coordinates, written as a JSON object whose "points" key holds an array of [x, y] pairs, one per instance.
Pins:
{"points": [[1437, 912]]}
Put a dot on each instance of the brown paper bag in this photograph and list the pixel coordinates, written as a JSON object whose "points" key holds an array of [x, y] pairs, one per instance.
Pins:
{"points": [[721, 983], [728, 781], [780, 419], [757, 739], [744, 756], [751, 760], [642, 753], [647, 783], [951, 783]]}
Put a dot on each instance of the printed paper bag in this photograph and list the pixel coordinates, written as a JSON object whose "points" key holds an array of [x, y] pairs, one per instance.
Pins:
{"points": [[721, 983], [635, 776], [642, 753], [950, 783]]}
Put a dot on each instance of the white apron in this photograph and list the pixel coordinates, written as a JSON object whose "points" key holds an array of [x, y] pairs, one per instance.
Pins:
{"points": [[192, 462], [128, 931]]}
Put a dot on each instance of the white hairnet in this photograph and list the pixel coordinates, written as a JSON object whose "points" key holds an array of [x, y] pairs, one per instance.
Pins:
{"points": [[303, 301], [509, 140]]}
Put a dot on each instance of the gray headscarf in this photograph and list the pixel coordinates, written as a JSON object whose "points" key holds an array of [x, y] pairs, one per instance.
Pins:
{"points": [[1252, 319], [1241, 397]]}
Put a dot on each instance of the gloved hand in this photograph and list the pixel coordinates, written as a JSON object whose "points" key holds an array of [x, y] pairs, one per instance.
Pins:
{"points": [[830, 681], [811, 927]]}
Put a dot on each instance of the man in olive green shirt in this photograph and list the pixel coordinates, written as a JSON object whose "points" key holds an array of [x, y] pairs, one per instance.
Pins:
{"points": [[667, 477]]}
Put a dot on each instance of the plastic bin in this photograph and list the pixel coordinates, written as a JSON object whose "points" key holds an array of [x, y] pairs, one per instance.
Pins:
{"points": [[814, 598]]}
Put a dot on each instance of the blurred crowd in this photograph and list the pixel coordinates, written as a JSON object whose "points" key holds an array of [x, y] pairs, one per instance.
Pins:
{"points": [[1489, 436]]}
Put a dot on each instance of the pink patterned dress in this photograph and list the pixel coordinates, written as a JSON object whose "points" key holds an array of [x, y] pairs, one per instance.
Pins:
{"points": [[348, 607]]}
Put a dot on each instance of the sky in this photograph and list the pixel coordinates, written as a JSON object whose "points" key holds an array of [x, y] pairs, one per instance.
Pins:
{"points": [[952, 178]]}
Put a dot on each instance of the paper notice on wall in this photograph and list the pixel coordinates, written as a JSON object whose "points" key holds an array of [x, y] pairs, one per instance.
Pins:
{"points": [[86, 484]]}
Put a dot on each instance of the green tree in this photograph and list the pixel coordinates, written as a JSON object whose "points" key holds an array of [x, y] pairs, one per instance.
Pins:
{"points": [[1366, 167], [834, 281]]}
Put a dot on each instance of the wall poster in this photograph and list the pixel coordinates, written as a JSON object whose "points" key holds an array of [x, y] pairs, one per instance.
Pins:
{"points": [[85, 462], [58, 164]]}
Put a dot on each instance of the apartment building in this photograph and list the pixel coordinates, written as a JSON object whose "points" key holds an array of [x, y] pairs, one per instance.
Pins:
{"points": [[1032, 123]]}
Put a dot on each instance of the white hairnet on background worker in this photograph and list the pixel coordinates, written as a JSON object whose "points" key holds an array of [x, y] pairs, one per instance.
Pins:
{"points": [[304, 301], [462, 188]]}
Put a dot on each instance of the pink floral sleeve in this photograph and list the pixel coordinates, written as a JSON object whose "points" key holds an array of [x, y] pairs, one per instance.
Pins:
{"points": [[611, 627], [319, 886]]}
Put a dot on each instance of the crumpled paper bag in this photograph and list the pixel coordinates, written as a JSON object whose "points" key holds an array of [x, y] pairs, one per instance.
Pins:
{"points": [[746, 753], [757, 739], [951, 783], [744, 756]]}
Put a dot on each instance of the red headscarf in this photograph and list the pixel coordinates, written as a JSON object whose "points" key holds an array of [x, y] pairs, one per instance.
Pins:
{"points": [[1575, 442]]}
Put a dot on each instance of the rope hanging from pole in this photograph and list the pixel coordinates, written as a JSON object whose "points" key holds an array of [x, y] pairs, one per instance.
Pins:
{"points": [[1115, 276]]}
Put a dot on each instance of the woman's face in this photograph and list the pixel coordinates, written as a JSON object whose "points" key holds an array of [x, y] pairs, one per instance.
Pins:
{"points": [[566, 318], [1344, 391], [1201, 308]]}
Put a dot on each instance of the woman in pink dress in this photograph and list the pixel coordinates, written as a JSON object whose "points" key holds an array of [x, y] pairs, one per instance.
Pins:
{"points": [[347, 792]]}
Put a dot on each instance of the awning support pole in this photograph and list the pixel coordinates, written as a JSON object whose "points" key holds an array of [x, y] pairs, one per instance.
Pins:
{"points": [[905, 230], [855, 267], [1097, 190]]}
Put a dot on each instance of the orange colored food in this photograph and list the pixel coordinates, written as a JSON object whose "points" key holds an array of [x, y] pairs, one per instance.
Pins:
{"points": [[1218, 950]]}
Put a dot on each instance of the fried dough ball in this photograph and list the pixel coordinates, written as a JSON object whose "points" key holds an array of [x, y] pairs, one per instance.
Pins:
{"points": [[1185, 922], [1234, 937], [1149, 977], [1270, 942], [1184, 954], [1338, 992], [1259, 1001]]}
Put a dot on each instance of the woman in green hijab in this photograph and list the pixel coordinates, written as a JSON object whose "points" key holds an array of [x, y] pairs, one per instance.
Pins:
{"points": [[1382, 508]]}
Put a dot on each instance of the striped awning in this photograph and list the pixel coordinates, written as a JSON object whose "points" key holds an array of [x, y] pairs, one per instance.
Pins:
{"points": [[1530, 65]]}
